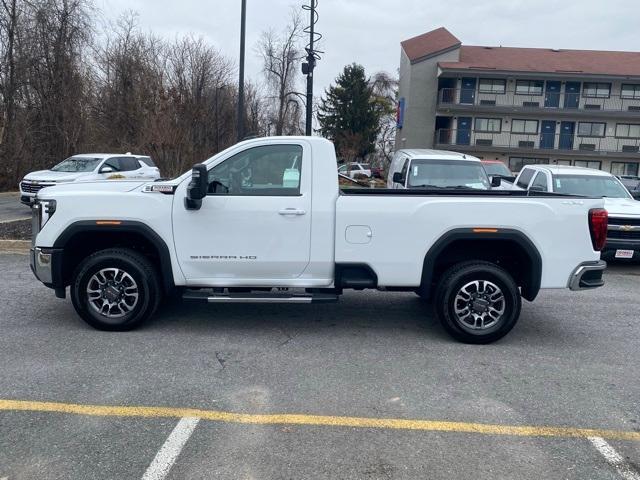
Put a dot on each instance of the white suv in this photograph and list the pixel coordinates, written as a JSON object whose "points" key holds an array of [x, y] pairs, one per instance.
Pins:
{"points": [[89, 167], [354, 168], [623, 235]]}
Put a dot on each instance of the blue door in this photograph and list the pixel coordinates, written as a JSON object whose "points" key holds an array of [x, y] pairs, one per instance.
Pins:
{"points": [[547, 134], [567, 129], [552, 94], [468, 91], [571, 94], [463, 135]]}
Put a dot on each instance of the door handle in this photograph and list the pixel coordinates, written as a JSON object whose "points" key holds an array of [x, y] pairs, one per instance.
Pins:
{"points": [[291, 211]]}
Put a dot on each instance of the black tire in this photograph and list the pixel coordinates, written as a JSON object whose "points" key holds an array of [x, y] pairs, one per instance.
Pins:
{"points": [[451, 292], [141, 273]]}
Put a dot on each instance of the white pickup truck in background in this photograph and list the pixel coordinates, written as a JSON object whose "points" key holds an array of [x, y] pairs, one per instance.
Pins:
{"points": [[623, 237], [265, 221]]}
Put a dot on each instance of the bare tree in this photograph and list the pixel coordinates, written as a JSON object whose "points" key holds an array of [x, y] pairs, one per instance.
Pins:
{"points": [[281, 55], [385, 91], [65, 91]]}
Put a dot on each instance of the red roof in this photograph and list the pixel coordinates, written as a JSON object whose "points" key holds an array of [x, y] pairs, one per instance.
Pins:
{"points": [[534, 60], [542, 60], [429, 43]]}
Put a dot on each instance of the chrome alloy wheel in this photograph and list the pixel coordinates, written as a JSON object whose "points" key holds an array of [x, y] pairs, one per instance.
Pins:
{"points": [[112, 292], [479, 305]]}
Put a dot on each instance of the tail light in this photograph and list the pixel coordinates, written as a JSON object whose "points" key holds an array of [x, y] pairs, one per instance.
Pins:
{"points": [[598, 222]]}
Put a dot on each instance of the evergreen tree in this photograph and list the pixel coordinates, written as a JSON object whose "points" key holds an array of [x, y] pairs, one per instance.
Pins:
{"points": [[349, 114]]}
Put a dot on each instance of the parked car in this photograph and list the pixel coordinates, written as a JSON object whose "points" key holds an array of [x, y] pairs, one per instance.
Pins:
{"points": [[89, 167], [623, 235], [496, 168], [264, 221], [632, 184], [422, 168], [354, 168]]}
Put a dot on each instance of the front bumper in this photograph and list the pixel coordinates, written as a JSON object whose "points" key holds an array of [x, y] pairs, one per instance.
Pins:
{"points": [[46, 265], [609, 250], [27, 198], [587, 275]]}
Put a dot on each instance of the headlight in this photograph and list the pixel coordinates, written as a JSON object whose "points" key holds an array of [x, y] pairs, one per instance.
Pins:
{"points": [[47, 209]]}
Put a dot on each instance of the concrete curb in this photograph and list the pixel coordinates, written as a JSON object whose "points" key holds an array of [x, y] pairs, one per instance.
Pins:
{"points": [[15, 246], [21, 219]]}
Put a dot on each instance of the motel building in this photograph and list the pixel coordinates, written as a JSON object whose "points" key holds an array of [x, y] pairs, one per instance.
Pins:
{"points": [[521, 105]]}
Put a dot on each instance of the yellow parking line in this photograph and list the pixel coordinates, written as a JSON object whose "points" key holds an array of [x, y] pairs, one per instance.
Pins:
{"points": [[317, 420]]}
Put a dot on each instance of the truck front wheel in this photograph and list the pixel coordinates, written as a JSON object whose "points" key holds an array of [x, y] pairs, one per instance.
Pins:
{"points": [[115, 289], [477, 302]]}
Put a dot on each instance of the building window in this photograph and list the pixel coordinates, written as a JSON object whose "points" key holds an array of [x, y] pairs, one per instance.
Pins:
{"points": [[627, 130], [624, 168], [596, 90], [587, 164], [516, 163], [566, 163], [630, 90], [524, 126], [492, 85], [529, 87], [591, 129], [491, 125]]}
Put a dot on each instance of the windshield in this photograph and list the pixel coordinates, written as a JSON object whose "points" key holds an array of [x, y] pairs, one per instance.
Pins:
{"points": [[497, 169], [589, 186], [77, 164], [447, 174]]}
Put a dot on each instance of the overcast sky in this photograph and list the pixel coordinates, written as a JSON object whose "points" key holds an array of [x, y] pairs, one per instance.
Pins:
{"points": [[369, 31]]}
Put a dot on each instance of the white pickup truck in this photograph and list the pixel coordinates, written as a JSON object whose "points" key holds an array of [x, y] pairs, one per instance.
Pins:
{"points": [[265, 221]]}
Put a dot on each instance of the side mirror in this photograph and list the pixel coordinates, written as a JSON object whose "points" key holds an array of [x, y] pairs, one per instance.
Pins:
{"points": [[496, 181], [398, 178], [197, 188], [106, 169]]}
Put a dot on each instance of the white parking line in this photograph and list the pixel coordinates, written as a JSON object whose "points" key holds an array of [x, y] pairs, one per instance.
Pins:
{"points": [[614, 459], [167, 455]]}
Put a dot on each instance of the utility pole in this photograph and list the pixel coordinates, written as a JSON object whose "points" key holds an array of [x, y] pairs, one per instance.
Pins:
{"points": [[310, 64], [243, 26]]}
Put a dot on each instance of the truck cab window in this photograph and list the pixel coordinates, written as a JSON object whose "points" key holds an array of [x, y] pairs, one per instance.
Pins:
{"points": [[525, 178], [269, 170], [540, 182]]}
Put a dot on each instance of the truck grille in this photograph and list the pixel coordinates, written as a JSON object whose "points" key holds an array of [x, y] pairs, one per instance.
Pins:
{"points": [[624, 221], [624, 229], [621, 235], [29, 187]]}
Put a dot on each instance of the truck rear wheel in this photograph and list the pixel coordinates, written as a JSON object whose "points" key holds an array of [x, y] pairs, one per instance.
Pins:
{"points": [[115, 289], [477, 302]]}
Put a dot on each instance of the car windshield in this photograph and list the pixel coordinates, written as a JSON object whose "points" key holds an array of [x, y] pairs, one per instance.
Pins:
{"points": [[448, 174], [497, 169], [365, 166], [589, 186], [77, 164]]}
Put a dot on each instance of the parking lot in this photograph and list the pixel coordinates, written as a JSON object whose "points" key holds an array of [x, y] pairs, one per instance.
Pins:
{"points": [[371, 387]]}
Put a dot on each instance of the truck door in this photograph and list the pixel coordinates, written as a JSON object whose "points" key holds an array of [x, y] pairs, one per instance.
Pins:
{"points": [[255, 222]]}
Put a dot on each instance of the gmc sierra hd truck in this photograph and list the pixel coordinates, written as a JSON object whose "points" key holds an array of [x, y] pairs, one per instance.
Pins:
{"points": [[265, 221]]}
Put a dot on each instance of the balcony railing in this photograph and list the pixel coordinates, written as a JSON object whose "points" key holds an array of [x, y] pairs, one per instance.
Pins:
{"points": [[541, 141], [545, 101]]}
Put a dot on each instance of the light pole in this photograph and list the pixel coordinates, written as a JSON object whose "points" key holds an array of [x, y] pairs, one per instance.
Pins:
{"points": [[218, 90], [310, 64], [243, 25]]}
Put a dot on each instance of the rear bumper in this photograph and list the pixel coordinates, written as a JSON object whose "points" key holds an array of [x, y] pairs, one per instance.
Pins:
{"points": [[46, 265], [587, 275]]}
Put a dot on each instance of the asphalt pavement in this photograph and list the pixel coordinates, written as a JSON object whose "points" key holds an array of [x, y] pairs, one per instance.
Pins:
{"points": [[11, 208], [571, 362]]}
